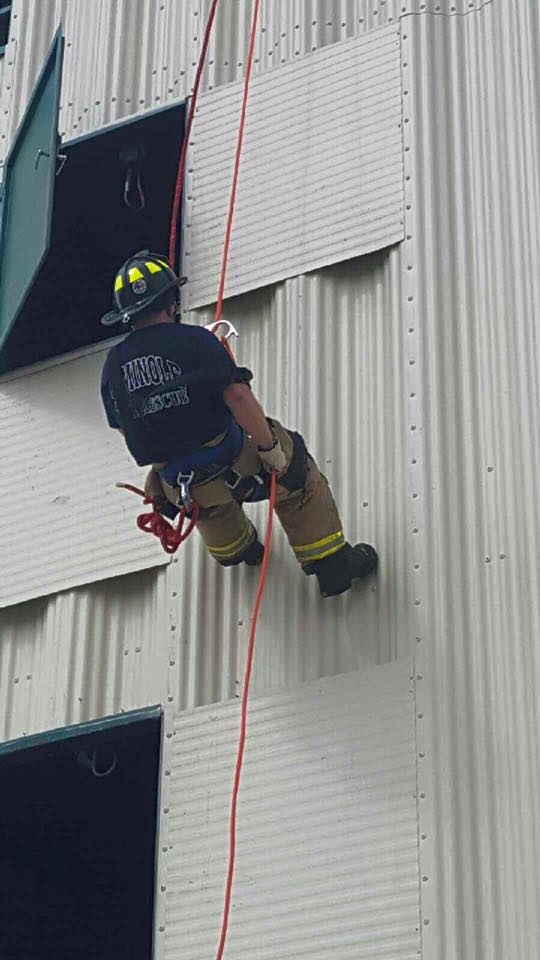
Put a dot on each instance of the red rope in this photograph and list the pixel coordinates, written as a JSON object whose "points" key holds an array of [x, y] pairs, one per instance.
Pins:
{"points": [[262, 580], [243, 723], [170, 536], [187, 134], [239, 144]]}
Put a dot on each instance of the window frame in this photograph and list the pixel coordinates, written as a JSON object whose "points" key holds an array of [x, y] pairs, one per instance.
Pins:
{"points": [[5, 11]]}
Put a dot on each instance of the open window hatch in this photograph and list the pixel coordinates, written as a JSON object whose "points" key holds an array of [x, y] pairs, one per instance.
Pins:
{"points": [[78, 840], [71, 214]]}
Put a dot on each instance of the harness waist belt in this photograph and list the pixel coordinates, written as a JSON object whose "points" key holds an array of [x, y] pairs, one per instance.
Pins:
{"points": [[207, 462]]}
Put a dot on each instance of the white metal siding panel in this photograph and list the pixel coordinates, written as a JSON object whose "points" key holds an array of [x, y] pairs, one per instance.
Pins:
{"points": [[474, 223], [83, 654], [63, 521], [327, 825], [322, 168]]}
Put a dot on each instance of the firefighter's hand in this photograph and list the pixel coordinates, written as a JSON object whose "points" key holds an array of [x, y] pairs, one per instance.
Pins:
{"points": [[274, 458]]}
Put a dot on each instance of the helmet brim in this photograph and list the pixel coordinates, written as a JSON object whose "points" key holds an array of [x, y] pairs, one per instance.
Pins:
{"points": [[114, 316]]}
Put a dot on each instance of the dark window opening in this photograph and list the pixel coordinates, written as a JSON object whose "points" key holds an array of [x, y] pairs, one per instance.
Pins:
{"points": [[5, 20], [77, 843], [93, 231]]}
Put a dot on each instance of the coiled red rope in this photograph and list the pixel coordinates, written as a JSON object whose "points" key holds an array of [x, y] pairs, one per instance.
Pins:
{"points": [[169, 535]]}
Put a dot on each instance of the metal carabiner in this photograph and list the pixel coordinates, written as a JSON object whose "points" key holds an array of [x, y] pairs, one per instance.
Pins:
{"points": [[184, 481], [231, 330]]}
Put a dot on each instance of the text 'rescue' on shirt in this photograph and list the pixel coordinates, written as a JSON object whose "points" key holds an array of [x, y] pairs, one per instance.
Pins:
{"points": [[161, 417]]}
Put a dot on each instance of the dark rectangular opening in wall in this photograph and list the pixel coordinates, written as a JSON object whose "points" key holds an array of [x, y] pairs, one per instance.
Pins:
{"points": [[93, 231], [77, 841]]}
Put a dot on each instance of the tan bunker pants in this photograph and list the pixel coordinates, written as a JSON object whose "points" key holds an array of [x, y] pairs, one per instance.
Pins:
{"points": [[309, 515]]}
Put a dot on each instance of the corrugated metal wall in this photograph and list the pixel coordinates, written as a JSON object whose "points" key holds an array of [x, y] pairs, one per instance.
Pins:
{"points": [[427, 357], [474, 228]]}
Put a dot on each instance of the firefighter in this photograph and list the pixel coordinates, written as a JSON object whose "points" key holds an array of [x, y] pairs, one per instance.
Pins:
{"points": [[187, 410]]}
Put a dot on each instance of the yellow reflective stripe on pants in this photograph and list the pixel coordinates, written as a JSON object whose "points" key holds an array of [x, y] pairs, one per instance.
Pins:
{"points": [[231, 550], [320, 548]]}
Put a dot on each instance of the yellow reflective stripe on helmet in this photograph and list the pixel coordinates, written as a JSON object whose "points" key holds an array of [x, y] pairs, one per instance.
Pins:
{"points": [[237, 546], [118, 283], [135, 274], [164, 264], [153, 267]]}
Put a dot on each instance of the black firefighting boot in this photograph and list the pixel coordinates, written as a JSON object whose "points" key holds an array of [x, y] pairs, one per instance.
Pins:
{"points": [[336, 572], [253, 555]]}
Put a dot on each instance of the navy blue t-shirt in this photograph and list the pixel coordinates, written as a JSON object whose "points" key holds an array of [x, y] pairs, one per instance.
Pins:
{"points": [[161, 418]]}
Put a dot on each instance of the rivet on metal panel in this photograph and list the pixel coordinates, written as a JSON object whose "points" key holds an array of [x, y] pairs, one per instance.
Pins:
{"points": [[167, 773], [421, 756], [413, 426], [416, 566], [502, 556], [417, 603], [413, 461], [16, 680], [422, 796], [411, 363], [170, 699], [419, 639], [172, 663], [424, 836], [420, 716], [365, 503], [163, 888], [488, 559], [137, 649], [415, 529], [165, 809], [415, 496], [169, 736], [173, 627], [490, 469], [419, 676], [126, 652], [426, 923], [162, 929], [175, 593], [28, 676]]}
